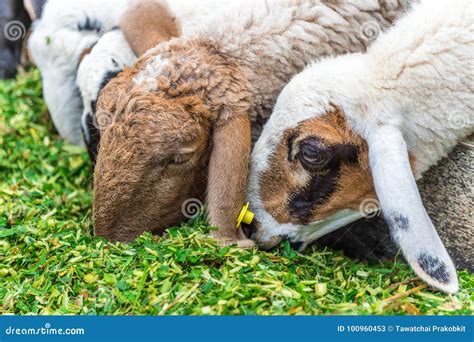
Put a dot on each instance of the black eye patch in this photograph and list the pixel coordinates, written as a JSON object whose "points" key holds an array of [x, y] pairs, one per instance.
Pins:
{"points": [[323, 183]]}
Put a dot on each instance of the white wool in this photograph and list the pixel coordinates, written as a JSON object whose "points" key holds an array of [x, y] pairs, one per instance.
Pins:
{"points": [[418, 75], [192, 14], [56, 45], [273, 40]]}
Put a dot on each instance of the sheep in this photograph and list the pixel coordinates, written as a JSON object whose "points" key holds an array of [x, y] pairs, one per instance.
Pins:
{"points": [[162, 19], [110, 55], [179, 119], [447, 194], [112, 52], [351, 134]]}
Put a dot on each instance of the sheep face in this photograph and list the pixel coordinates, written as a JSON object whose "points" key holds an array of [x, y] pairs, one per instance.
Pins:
{"points": [[170, 125], [333, 141], [317, 169], [317, 176], [152, 158]]}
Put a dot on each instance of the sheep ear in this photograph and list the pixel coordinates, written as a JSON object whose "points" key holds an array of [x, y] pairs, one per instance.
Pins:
{"points": [[228, 170], [146, 23], [409, 224]]}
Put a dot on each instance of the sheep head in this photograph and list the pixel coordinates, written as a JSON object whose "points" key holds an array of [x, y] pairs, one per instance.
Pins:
{"points": [[173, 128], [331, 154], [153, 156], [316, 169]]}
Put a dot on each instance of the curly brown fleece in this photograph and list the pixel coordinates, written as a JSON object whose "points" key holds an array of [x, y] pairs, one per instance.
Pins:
{"points": [[192, 106]]}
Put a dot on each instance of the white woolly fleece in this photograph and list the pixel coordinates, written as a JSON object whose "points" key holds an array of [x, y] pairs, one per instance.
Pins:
{"points": [[64, 31], [273, 40], [108, 57]]}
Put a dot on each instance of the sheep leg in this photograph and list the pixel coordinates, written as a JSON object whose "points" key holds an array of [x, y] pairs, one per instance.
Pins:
{"points": [[228, 170]]}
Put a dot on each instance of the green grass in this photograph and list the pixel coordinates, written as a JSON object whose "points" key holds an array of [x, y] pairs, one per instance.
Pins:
{"points": [[51, 264]]}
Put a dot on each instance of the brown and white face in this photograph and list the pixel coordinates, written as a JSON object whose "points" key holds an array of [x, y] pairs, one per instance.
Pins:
{"points": [[153, 157], [318, 170], [318, 175], [329, 155]]}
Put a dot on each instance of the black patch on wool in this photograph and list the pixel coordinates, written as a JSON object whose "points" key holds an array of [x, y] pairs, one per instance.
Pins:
{"points": [[398, 222], [434, 267], [91, 121], [109, 75], [93, 132]]}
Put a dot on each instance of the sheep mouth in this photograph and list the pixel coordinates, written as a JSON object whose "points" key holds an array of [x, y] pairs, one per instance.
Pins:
{"points": [[317, 229]]}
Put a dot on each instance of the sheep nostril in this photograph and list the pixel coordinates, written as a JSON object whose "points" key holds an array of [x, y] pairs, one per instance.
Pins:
{"points": [[248, 229]]}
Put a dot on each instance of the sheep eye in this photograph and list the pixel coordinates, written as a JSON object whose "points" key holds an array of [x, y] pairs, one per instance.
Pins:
{"points": [[311, 155]]}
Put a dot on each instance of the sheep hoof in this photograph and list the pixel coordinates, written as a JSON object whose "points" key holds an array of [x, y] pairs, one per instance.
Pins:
{"points": [[247, 243], [224, 241]]}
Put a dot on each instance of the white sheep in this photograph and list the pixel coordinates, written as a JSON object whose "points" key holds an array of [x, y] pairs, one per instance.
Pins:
{"points": [[360, 126], [182, 114]]}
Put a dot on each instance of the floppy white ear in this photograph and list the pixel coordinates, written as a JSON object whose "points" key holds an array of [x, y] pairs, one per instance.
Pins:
{"points": [[409, 224]]}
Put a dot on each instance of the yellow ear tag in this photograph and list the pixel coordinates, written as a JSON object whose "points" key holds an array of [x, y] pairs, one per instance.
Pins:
{"points": [[245, 216]]}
